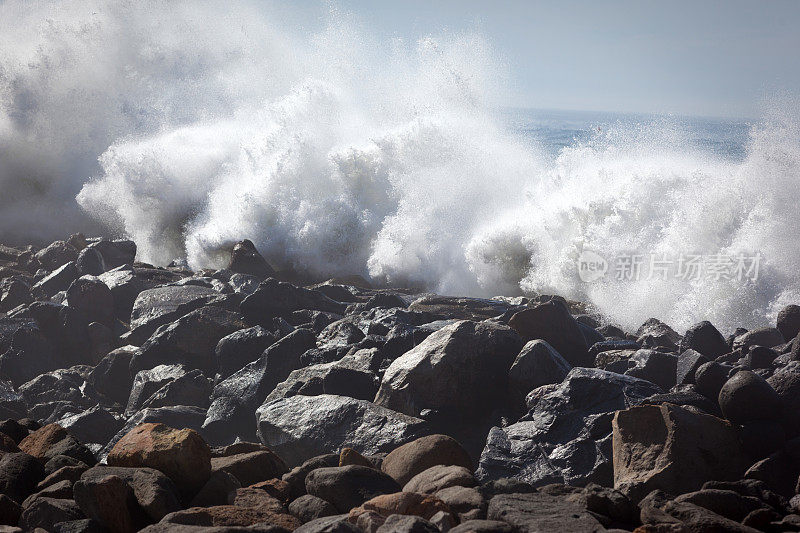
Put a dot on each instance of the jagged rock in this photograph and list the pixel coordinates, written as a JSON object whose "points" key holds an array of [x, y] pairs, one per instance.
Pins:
{"points": [[705, 339], [126, 282], [536, 365], [190, 340], [147, 382], [192, 388], [51, 440], [20, 473], [110, 501], [767, 337], [12, 404], [46, 512], [346, 487], [114, 253], [302, 427], [180, 454], [14, 292], [252, 467], [467, 502], [275, 298], [686, 368], [654, 333], [328, 378], [541, 512], [162, 305], [96, 425], [245, 259], [55, 255], [408, 460], [565, 436], [462, 368], [241, 347], [671, 448], [552, 322], [111, 377], [58, 280], [655, 367], [231, 515], [93, 298]]}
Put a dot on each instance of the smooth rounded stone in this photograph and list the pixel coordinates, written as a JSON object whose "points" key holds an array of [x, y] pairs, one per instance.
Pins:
{"points": [[96, 424], [348, 456], [20, 474], [111, 377], [541, 512], [440, 477], [563, 436], [56, 254], [767, 337], [177, 416], [654, 333], [330, 524], [181, 454], [93, 298], [155, 492], [190, 340], [747, 396], [109, 501], [788, 321], [552, 322], [216, 490], [537, 364], [655, 367], [253, 497], [674, 449], [484, 526], [709, 379], [467, 502], [234, 351], [46, 512], [308, 508], [147, 382], [90, 262], [461, 368], [408, 460], [302, 427], [7, 444], [51, 440], [725, 503], [346, 487], [398, 523], [275, 298], [705, 339], [406, 503], [252, 467], [759, 357], [296, 477]]}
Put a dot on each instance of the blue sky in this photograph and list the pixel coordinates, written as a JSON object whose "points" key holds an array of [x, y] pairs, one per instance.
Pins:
{"points": [[722, 58]]}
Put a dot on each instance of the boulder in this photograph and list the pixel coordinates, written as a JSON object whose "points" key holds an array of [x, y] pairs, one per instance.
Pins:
{"points": [[767, 337], [58, 280], [552, 322], [484, 526], [788, 321], [20, 473], [45, 513], [541, 512], [126, 282], [93, 298], [705, 339], [655, 367], [241, 347], [747, 396], [51, 440], [109, 501], [308, 508], [461, 368], [537, 364], [147, 382], [467, 502], [786, 383], [709, 379], [408, 460], [96, 425], [114, 253], [245, 259], [55, 255], [228, 516], [686, 367], [302, 427], [111, 377], [154, 492], [654, 333], [346, 487], [398, 523], [180, 454], [252, 467], [275, 298], [161, 305], [565, 435], [673, 449], [440, 477]]}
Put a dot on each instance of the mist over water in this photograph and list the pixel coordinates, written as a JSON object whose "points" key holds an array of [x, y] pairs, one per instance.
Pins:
{"points": [[189, 126]]}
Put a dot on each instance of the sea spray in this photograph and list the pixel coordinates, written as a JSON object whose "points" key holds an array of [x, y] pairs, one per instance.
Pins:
{"points": [[187, 127]]}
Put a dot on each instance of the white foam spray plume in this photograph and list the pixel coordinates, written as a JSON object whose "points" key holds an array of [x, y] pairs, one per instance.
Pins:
{"points": [[188, 126]]}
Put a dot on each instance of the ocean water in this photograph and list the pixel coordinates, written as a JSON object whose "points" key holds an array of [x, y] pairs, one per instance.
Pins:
{"points": [[190, 125]]}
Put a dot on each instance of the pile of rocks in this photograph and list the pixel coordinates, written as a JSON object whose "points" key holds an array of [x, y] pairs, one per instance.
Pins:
{"points": [[244, 399]]}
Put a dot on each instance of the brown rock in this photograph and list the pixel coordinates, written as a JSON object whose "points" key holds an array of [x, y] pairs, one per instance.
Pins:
{"points": [[406, 503], [348, 456], [229, 515], [109, 501], [671, 448], [40, 441], [277, 488], [181, 454], [440, 477], [410, 459], [252, 467], [248, 497]]}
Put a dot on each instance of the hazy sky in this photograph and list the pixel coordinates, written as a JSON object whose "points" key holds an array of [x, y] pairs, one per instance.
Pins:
{"points": [[692, 57]]}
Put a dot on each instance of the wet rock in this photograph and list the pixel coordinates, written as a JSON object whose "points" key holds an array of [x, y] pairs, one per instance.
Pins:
{"points": [[93, 298], [789, 321], [654, 333], [241, 347], [55, 255], [245, 259], [181, 454], [709, 378], [148, 382], [655, 367], [97, 425], [162, 305], [302, 427], [346, 487], [552, 322], [275, 298], [112, 377], [767, 337], [671, 448], [114, 253], [127, 282]]}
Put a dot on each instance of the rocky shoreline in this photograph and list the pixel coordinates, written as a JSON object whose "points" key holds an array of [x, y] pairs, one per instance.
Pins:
{"points": [[160, 399]]}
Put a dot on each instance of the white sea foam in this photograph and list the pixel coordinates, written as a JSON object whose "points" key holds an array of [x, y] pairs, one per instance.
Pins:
{"points": [[189, 126]]}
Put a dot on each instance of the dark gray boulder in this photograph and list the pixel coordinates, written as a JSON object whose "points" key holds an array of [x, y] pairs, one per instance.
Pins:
{"points": [[275, 298], [346, 487], [537, 364], [552, 322], [704, 338], [655, 367]]}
